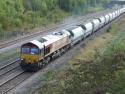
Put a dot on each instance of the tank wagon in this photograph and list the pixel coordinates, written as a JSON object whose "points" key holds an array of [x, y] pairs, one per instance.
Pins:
{"points": [[76, 34], [96, 24], [107, 18], [37, 53], [88, 27], [113, 13], [110, 16], [102, 21]]}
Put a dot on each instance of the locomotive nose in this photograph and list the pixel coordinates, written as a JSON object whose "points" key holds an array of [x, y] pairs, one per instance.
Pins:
{"points": [[30, 58]]}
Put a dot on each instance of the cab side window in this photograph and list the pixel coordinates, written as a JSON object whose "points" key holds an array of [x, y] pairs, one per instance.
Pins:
{"points": [[47, 50]]}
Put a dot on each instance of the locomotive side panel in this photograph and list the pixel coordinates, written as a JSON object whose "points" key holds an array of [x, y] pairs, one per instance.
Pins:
{"points": [[59, 44]]}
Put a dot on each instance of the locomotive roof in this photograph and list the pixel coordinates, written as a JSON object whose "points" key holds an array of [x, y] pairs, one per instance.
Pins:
{"points": [[37, 43], [48, 39]]}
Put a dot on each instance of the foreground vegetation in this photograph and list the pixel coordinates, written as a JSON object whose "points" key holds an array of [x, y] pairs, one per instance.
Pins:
{"points": [[103, 73], [16, 14]]}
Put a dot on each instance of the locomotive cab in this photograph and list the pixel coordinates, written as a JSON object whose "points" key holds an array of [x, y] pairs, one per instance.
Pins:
{"points": [[30, 55]]}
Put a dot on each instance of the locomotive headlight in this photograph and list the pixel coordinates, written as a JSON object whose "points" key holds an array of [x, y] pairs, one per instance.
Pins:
{"points": [[22, 59]]}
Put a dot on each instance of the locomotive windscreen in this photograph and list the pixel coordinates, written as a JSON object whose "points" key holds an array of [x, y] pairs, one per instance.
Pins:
{"points": [[25, 50], [29, 50]]}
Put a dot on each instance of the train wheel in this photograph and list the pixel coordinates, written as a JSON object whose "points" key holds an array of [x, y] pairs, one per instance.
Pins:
{"points": [[36, 68], [47, 60], [59, 53], [71, 45], [83, 39], [62, 51], [40, 64]]}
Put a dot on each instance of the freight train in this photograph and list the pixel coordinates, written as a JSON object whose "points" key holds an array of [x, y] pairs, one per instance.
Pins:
{"points": [[37, 53]]}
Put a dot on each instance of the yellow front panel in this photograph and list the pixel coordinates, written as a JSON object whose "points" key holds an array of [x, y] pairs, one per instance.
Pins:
{"points": [[30, 58]]}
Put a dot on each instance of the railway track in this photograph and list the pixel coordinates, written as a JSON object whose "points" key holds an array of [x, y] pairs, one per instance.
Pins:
{"points": [[8, 67], [14, 81], [12, 75], [23, 38]]}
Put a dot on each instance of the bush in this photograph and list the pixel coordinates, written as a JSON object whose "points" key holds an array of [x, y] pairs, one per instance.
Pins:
{"points": [[56, 15], [99, 75], [113, 28]]}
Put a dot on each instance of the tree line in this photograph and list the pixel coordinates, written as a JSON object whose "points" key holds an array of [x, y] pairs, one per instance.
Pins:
{"points": [[20, 13]]}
